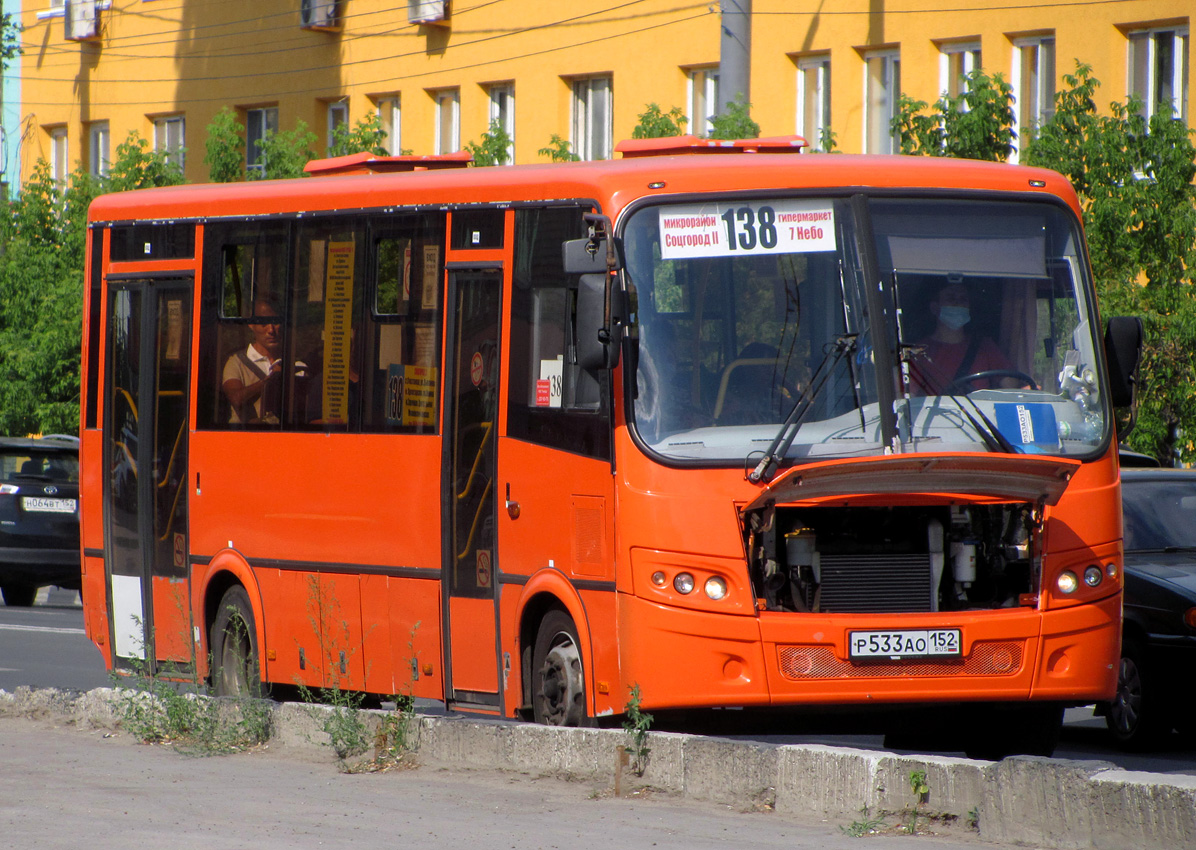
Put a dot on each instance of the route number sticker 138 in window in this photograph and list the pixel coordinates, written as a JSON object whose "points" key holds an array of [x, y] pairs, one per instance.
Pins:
{"points": [[745, 228]]}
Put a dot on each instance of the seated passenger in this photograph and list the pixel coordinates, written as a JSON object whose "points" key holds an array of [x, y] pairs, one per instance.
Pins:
{"points": [[252, 379]]}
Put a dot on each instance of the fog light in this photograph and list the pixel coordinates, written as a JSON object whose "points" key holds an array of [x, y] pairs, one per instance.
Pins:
{"points": [[1093, 576], [716, 587], [658, 578], [1068, 582], [683, 583]]}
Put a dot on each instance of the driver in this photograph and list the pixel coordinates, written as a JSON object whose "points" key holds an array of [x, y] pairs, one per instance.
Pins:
{"points": [[953, 351]]}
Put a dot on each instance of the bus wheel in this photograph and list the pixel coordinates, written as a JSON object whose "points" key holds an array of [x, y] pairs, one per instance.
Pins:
{"points": [[558, 681], [233, 641]]}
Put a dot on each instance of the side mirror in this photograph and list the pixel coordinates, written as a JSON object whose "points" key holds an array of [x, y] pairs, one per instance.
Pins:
{"points": [[1123, 350], [589, 256], [599, 338]]}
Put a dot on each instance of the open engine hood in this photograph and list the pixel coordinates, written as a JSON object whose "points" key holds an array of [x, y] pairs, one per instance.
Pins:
{"points": [[1021, 478]]}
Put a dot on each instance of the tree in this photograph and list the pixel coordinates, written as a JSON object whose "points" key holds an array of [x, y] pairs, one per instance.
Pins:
{"points": [[976, 124], [366, 136], [225, 148], [1134, 180], [43, 234], [495, 147], [558, 150], [10, 39], [735, 122], [284, 154], [655, 124]]}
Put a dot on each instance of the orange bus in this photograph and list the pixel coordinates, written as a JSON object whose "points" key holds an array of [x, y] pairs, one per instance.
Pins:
{"points": [[736, 424]]}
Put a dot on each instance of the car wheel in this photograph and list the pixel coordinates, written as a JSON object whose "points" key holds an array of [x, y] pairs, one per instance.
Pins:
{"points": [[558, 679], [18, 595], [235, 668], [1135, 716]]}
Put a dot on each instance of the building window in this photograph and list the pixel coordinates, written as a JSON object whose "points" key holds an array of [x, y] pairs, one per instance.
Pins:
{"points": [[98, 152], [502, 110], [59, 155], [338, 116], [1033, 86], [259, 123], [956, 61], [448, 121], [814, 100], [170, 137], [882, 89], [592, 118], [1158, 71], [703, 99], [388, 120]]}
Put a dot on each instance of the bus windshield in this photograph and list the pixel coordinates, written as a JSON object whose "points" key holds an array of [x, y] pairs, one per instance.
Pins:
{"points": [[752, 313]]}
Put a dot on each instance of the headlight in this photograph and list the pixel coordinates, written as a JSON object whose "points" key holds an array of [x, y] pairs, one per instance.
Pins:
{"points": [[658, 578], [683, 583], [1111, 570], [1067, 582], [1093, 576], [716, 587], [9, 489]]}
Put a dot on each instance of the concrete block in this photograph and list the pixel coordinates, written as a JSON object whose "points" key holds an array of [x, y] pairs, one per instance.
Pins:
{"points": [[1040, 801], [817, 783], [956, 785], [730, 772]]}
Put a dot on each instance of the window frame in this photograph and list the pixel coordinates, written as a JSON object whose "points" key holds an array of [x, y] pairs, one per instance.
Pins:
{"points": [[448, 112], [164, 129], [502, 109], [820, 66], [592, 125], [388, 108], [1032, 75], [701, 96], [881, 104], [267, 118], [957, 59], [99, 148], [1180, 37], [336, 113]]}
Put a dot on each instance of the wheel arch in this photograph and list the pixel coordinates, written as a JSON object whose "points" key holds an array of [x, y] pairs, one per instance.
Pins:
{"points": [[226, 570], [545, 591]]}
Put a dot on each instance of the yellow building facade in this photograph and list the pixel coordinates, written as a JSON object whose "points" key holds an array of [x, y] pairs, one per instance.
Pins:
{"points": [[438, 73]]}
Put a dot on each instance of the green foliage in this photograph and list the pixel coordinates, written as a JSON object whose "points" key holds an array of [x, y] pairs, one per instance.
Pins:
{"points": [[636, 724], [558, 150], [42, 237], [866, 825], [1134, 181], [366, 136], [494, 148], [10, 40], [343, 721], [828, 141], [225, 148], [977, 124], [735, 122], [285, 153], [655, 124]]}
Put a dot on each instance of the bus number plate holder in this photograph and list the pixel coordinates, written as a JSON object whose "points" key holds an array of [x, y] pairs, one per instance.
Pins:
{"points": [[905, 643]]}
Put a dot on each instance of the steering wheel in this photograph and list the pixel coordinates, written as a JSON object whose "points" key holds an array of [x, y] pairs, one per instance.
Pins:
{"points": [[962, 382]]}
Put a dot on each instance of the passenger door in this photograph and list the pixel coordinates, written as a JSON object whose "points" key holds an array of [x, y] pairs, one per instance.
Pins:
{"points": [[147, 388]]}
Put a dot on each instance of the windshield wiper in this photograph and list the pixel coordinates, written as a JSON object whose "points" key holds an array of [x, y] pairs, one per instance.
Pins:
{"points": [[840, 348], [993, 439]]}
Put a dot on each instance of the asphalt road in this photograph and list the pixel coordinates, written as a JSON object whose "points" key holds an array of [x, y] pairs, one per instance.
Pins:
{"points": [[45, 647], [66, 788]]}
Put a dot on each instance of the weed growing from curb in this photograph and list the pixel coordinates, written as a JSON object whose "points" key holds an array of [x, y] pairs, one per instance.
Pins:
{"points": [[867, 825], [637, 724]]}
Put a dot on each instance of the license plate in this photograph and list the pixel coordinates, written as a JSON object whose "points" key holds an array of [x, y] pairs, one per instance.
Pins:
{"points": [[42, 505], [906, 643]]}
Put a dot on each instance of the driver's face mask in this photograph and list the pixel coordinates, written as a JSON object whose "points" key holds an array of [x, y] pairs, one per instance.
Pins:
{"points": [[954, 317]]}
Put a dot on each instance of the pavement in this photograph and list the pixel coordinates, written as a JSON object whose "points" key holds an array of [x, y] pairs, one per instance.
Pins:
{"points": [[1046, 803]]}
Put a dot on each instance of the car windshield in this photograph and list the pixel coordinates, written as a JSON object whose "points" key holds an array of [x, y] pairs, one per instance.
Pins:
{"points": [[1159, 513], [39, 465], [748, 309]]}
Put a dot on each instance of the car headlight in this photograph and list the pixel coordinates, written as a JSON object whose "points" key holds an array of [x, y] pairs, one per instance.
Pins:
{"points": [[1093, 576], [1067, 582], [716, 587], [683, 583]]}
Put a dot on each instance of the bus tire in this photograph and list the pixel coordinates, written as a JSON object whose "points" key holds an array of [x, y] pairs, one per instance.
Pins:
{"points": [[236, 668], [558, 676]]}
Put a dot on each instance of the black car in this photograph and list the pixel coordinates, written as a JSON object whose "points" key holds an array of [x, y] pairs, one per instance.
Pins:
{"points": [[1156, 682], [39, 516]]}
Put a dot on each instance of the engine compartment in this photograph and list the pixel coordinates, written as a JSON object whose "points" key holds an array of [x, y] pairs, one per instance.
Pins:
{"points": [[893, 559]]}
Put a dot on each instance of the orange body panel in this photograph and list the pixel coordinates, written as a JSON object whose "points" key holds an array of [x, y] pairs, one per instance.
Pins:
{"points": [[338, 538]]}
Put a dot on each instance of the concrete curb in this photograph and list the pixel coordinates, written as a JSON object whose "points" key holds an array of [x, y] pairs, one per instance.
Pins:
{"points": [[1041, 802]]}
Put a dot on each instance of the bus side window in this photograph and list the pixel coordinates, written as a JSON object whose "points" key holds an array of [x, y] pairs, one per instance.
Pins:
{"points": [[400, 373], [245, 273], [551, 400]]}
